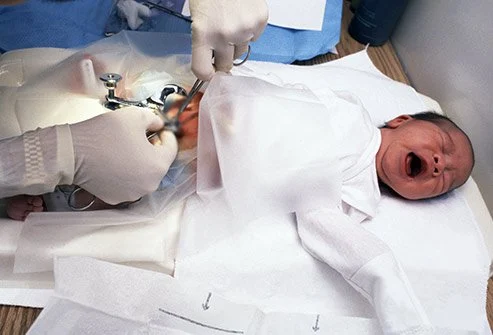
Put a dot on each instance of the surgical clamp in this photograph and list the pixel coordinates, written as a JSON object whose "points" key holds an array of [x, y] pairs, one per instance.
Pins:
{"points": [[196, 88], [113, 102]]}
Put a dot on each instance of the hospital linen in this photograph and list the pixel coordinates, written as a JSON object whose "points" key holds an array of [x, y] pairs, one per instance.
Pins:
{"points": [[336, 238], [330, 232]]}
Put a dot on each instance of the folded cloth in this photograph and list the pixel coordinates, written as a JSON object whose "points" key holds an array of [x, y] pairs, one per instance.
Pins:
{"points": [[262, 135]]}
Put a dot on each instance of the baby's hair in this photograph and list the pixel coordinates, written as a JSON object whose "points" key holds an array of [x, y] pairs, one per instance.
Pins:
{"points": [[430, 116], [439, 120], [433, 117]]}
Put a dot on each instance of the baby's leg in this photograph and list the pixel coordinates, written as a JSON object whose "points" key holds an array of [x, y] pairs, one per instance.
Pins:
{"points": [[19, 207]]}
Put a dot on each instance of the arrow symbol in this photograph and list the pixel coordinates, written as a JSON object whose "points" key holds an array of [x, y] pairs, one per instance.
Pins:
{"points": [[205, 305], [316, 328]]}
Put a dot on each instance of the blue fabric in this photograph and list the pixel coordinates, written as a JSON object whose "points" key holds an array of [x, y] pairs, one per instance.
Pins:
{"points": [[76, 23], [51, 23], [276, 44], [283, 45]]}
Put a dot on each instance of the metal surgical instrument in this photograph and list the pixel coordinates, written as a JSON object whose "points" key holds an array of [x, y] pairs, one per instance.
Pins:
{"points": [[114, 102], [196, 88], [172, 123]]}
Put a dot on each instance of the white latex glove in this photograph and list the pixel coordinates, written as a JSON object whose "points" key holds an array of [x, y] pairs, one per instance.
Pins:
{"points": [[133, 12], [108, 155], [113, 158], [225, 27]]}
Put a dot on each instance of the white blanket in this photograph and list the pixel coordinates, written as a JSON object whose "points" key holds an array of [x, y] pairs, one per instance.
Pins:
{"points": [[444, 256], [262, 262]]}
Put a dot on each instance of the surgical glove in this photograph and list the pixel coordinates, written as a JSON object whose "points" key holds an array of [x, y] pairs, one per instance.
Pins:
{"points": [[224, 27], [133, 12], [113, 158]]}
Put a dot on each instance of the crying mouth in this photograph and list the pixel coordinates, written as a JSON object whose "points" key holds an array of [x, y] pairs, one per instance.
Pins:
{"points": [[414, 165]]}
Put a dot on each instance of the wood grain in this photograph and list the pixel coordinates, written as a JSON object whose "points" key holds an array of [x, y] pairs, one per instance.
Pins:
{"points": [[17, 320]]}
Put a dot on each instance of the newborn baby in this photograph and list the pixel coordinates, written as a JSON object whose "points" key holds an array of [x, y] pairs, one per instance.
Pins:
{"points": [[420, 156]]}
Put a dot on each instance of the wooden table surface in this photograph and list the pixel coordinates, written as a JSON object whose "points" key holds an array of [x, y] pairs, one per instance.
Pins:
{"points": [[17, 320]]}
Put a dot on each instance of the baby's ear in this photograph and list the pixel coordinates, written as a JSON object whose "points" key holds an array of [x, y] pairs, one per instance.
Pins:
{"points": [[398, 121]]}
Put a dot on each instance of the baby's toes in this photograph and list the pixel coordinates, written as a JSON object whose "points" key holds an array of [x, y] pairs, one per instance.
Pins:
{"points": [[38, 208], [37, 204], [35, 200], [19, 207]]}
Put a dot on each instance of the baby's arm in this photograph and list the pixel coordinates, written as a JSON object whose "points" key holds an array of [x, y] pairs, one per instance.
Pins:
{"points": [[368, 265]]}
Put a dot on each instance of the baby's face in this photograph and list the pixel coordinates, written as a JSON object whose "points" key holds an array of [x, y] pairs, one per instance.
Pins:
{"points": [[419, 159]]}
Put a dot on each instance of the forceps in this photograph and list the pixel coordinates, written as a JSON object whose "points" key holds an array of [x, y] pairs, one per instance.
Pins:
{"points": [[173, 124]]}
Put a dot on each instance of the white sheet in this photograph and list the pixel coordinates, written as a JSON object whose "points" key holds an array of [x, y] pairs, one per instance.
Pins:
{"points": [[251, 263], [144, 302], [262, 122], [456, 278], [307, 15]]}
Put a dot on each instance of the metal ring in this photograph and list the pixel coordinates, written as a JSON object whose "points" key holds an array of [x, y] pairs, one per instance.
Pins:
{"points": [[83, 208], [244, 59]]}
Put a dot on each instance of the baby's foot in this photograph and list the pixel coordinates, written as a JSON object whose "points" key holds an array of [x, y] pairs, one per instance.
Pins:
{"points": [[19, 207]]}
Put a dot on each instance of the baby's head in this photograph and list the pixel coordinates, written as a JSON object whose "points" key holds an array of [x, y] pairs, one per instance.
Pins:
{"points": [[423, 155]]}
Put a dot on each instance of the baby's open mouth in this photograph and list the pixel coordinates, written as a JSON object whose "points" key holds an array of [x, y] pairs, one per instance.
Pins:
{"points": [[413, 165]]}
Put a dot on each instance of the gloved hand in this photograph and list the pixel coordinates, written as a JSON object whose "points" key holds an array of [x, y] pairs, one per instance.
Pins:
{"points": [[113, 158], [133, 12], [225, 27]]}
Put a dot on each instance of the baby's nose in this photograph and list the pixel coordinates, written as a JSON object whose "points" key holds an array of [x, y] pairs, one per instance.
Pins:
{"points": [[438, 165]]}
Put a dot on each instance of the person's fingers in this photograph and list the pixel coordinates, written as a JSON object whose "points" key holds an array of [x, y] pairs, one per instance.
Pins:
{"points": [[150, 121], [143, 11], [223, 58], [134, 21], [262, 20], [168, 148], [202, 62], [241, 51], [154, 139], [168, 141]]}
